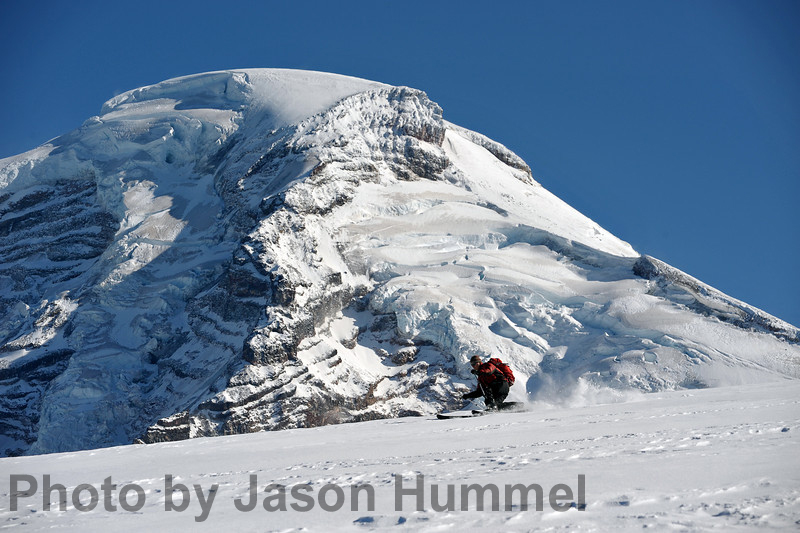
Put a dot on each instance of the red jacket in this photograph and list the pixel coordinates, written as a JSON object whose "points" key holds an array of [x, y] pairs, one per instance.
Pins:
{"points": [[487, 375]]}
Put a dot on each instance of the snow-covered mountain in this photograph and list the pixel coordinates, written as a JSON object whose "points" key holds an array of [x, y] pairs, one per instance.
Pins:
{"points": [[262, 249]]}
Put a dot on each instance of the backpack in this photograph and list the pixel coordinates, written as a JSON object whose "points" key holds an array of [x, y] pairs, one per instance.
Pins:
{"points": [[504, 368]]}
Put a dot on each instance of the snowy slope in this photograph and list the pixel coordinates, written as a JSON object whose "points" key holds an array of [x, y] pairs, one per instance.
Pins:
{"points": [[268, 249], [720, 459]]}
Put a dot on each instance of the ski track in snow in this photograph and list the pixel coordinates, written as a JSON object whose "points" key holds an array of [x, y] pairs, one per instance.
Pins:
{"points": [[705, 460]]}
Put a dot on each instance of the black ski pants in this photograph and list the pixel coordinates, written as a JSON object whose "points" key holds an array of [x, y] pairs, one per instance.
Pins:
{"points": [[495, 394]]}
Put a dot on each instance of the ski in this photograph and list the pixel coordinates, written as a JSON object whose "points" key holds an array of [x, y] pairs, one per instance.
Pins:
{"points": [[507, 407], [449, 415]]}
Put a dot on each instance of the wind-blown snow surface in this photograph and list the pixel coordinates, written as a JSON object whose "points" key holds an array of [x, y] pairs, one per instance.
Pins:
{"points": [[721, 459], [267, 249]]}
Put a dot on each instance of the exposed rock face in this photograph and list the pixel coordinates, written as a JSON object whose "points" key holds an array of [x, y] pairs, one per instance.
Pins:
{"points": [[291, 247], [255, 250], [50, 236]]}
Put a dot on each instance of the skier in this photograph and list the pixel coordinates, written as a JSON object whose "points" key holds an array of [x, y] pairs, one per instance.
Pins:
{"points": [[493, 383]]}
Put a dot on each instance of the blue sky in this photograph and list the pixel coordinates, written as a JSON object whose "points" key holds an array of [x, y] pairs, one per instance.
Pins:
{"points": [[675, 125]]}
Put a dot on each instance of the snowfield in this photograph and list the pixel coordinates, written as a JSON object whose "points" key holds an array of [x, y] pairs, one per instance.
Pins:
{"points": [[720, 459]]}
